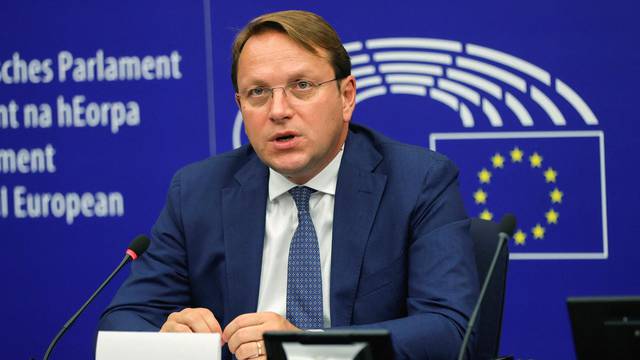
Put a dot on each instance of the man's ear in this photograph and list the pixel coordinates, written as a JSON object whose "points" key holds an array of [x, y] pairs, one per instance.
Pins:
{"points": [[237, 97], [348, 94]]}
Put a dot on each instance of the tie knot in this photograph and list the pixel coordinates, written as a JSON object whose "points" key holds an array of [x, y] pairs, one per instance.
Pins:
{"points": [[301, 195]]}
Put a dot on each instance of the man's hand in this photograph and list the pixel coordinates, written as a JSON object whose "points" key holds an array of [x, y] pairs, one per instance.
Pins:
{"points": [[244, 333], [199, 320]]}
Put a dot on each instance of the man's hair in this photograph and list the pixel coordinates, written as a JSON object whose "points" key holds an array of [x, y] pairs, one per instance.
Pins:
{"points": [[305, 28]]}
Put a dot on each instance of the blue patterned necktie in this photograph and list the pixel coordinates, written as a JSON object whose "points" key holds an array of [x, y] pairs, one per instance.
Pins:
{"points": [[304, 278]]}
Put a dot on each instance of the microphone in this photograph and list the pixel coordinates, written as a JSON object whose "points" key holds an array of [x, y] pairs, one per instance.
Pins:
{"points": [[136, 248], [505, 231]]}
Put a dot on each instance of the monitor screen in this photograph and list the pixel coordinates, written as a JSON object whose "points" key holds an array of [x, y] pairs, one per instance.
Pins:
{"points": [[330, 344], [605, 327]]}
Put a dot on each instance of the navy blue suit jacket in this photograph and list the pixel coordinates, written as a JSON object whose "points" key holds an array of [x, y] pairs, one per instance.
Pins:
{"points": [[402, 257]]}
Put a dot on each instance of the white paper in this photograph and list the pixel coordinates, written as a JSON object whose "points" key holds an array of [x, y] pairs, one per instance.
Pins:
{"points": [[297, 351], [125, 345]]}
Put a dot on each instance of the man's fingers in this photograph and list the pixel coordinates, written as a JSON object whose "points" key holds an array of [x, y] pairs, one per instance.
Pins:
{"points": [[244, 335], [203, 320], [205, 315], [240, 322], [171, 326], [251, 350], [212, 323], [198, 320], [195, 320]]}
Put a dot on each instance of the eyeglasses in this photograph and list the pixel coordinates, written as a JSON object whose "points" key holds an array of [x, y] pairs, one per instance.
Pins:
{"points": [[302, 90]]}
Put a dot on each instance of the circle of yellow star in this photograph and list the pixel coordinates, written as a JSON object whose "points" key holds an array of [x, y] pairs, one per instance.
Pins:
{"points": [[516, 155], [538, 232], [556, 196], [498, 161], [519, 237], [480, 196], [550, 175], [486, 215], [485, 176], [536, 160], [552, 216]]}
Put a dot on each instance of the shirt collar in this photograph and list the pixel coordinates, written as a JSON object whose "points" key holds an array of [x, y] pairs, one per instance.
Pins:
{"points": [[325, 181]]}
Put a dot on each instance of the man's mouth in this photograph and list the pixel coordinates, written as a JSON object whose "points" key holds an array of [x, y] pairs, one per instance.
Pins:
{"points": [[284, 138]]}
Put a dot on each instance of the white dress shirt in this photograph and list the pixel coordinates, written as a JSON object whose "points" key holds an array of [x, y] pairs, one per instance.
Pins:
{"points": [[280, 225]]}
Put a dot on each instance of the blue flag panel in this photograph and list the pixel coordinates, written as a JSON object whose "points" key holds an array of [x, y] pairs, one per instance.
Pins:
{"points": [[553, 182]]}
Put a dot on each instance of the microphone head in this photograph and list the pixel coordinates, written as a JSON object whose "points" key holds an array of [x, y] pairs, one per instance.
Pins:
{"points": [[138, 246], [507, 224]]}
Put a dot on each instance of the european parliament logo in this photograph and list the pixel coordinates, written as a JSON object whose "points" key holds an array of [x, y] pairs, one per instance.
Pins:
{"points": [[554, 181]]}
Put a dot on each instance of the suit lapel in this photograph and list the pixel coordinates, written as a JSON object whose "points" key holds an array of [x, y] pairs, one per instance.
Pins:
{"points": [[358, 195], [244, 209]]}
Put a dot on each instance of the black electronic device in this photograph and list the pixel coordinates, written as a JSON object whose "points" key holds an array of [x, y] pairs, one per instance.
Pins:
{"points": [[605, 327], [367, 344]]}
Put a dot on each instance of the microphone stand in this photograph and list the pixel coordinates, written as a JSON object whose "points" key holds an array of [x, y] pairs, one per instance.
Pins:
{"points": [[84, 306]]}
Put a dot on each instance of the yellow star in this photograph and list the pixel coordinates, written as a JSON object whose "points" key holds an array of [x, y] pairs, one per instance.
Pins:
{"points": [[556, 196], [497, 160], [516, 154], [480, 196], [550, 175], [536, 160], [486, 215], [552, 216], [538, 232], [519, 237], [485, 176]]}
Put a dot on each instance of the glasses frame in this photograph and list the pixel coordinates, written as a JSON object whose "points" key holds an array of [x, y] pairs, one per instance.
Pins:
{"points": [[286, 90]]}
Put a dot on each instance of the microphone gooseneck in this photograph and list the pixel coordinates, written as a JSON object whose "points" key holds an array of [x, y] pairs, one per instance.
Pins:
{"points": [[505, 231], [136, 248]]}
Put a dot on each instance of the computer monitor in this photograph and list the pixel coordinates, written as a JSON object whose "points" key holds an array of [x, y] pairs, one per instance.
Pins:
{"points": [[330, 344], [605, 327]]}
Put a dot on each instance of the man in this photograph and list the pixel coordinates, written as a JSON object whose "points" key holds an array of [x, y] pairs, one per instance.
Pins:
{"points": [[318, 223]]}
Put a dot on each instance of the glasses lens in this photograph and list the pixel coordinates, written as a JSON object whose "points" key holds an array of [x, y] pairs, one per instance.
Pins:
{"points": [[258, 97], [302, 90]]}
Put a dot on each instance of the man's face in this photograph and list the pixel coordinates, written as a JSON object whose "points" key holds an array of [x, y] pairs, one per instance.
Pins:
{"points": [[297, 138]]}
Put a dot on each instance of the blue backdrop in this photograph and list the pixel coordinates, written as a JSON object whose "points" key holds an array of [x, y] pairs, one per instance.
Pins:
{"points": [[101, 102]]}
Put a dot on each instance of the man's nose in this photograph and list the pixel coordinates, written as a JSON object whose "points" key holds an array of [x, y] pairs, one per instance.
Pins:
{"points": [[280, 108]]}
